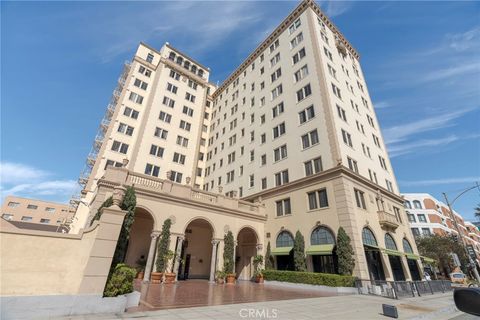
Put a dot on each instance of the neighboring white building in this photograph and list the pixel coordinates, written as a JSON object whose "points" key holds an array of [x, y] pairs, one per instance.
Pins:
{"points": [[292, 128]]}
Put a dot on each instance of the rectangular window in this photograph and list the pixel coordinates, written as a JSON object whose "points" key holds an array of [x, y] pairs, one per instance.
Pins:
{"points": [[156, 151], [26, 218], [166, 117], [190, 97], [347, 138], [119, 147], [281, 178], [337, 91], [185, 125], [299, 56], [280, 153], [274, 60], [416, 232], [294, 26], [179, 158], [230, 176], [296, 40], [182, 141], [275, 75], [283, 207], [278, 109], [7, 216], [341, 113], [301, 73], [306, 114], [328, 53], [168, 102], [149, 58], [174, 75], [352, 164], [135, 98], [146, 72], [251, 180], [176, 176], [411, 217], [188, 111], [304, 92], [264, 183], [140, 84], [274, 45], [360, 199], [12, 204], [332, 71], [152, 170], [317, 199], [422, 218], [125, 129], [172, 88], [192, 84], [309, 139], [32, 206], [313, 166], [263, 160], [279, 130], [277, 91], [160, 133], [129, 112]]}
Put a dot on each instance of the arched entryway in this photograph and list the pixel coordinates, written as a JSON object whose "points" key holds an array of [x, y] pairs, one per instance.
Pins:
{"points": [[321, 251], [245, 252], [196, 251], [139, 242], [283, 251], [373, 255], [411, 260], [395, 258]]}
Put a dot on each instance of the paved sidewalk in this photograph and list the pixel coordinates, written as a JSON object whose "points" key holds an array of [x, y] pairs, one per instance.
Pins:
{"points": [[438, 307]]}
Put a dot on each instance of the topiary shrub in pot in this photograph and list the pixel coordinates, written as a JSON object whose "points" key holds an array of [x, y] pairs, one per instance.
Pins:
{"points": [[162, 249], [169, 277], [228, 260], [220, 276], [257, 265], [141, 263]]}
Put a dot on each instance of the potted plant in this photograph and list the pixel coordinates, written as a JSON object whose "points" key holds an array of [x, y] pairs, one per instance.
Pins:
{"points": [[169, 276], [162, 248], [141, 263], [220, 276], [228, 260], [257, 265]]}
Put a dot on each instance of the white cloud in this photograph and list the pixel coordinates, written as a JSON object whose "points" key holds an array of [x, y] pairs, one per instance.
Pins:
{"points": [[27, 181], [464, 41], [396, 150], [401, 132], [335, 8], [433, 182], [464, 69], [382, 105]]}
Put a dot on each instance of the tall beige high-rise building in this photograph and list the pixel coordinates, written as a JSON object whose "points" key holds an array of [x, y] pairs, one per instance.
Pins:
{"points": [[293, 128]]}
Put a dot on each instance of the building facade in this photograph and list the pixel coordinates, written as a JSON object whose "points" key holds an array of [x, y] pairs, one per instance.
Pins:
{"points": [[428, 215], [34, 212], [293, 129]]}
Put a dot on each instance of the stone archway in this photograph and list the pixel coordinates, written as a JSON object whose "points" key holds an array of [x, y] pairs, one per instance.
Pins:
{"points": [[196, 251], [140, 238], [246, 250]]}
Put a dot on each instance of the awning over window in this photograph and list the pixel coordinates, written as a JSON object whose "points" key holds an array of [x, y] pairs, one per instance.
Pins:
{"points": [[282, 251], [393, 252], [320, 249], [427, 259], [412, 256], [371, 247]]}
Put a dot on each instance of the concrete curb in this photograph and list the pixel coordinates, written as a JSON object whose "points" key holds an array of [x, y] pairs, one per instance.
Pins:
{"points": [[312, 287]]}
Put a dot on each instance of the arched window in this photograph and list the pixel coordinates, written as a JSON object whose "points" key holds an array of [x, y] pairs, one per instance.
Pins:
{"points": [[172, 56], [389, 242], [284, 239], [200, 73], [408, 205], [179, 60], [368, 238], [186, 65], [194, 68], [407, 248], [321, 235], [417, 204]]}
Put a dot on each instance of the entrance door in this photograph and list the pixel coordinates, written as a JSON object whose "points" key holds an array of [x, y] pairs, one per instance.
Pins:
{"points": [[413, 267], [397, 270], [324, 263], [375, 267]]}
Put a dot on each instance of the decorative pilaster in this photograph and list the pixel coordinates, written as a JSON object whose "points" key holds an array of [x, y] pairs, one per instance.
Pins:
{"points": [[213, 262], [178, 253], [151, 254]]}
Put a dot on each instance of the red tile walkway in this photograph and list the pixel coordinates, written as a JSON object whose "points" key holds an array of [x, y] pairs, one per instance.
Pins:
{"points": [[195, 293]]}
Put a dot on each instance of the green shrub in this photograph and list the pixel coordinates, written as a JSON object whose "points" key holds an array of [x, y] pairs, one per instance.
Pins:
{"points": [[228, 248], [269, 261], [325, 279], [299, 259], [121, 281], [345, 253], [162, 246]]}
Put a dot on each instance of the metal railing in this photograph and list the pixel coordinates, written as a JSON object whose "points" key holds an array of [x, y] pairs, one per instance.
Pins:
{"points": [[402, 289]]}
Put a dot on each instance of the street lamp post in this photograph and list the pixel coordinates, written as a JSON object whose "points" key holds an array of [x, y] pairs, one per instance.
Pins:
{"points": [[464, 243]]}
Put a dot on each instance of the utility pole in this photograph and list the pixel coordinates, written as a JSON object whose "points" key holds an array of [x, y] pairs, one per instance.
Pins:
{"points": [[460, 234]]}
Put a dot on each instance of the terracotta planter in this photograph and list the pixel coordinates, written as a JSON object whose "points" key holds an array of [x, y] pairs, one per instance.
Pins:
{"points": [[259, 279], [140, 275], [169, 278], [220, 281], [231, 278], [156, 277]]}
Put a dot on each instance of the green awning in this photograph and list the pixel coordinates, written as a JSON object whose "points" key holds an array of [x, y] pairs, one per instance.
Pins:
{"points": [[282, 251], [370, 247], [320, 249], [427, 259], [412, 256], [393, 252]]}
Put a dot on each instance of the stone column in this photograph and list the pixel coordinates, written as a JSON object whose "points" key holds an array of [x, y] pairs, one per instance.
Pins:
{"points": [[235, 244], [176, 263], [213, 262], [151, 255]]}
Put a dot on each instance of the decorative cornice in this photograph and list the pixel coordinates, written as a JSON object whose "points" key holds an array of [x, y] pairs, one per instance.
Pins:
{"points": [[304, 5]]}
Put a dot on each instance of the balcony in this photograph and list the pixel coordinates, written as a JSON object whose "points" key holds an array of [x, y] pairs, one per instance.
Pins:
{"points": [[387, 220]]}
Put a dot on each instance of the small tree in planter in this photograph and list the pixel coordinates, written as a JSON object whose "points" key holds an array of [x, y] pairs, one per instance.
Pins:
{"points": [[346, 262], [220, 276], [257, 265], [121, 281], [299, 259], [162, 249], [168, 258], [228, 258], [269, 262]]}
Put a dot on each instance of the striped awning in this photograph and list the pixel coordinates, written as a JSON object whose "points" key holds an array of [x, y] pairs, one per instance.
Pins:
{"points": [[320, 249], [282, 251], [391, 252]]}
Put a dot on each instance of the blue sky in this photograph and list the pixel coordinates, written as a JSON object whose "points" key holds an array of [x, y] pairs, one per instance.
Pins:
{"points": [[60, 62]]}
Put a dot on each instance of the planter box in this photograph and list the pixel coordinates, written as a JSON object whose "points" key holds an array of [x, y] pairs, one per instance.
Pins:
{"points": [[133, 299]]}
